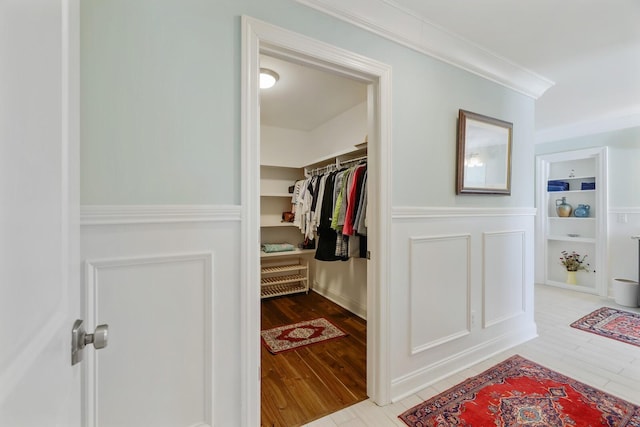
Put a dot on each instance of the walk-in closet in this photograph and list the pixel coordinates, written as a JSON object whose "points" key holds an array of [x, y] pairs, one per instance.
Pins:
{"points": [[313, 232]]}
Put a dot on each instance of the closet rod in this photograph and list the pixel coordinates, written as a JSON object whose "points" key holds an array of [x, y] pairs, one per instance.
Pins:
{"points": [[333, 166], [357, 159], [319, 171]]}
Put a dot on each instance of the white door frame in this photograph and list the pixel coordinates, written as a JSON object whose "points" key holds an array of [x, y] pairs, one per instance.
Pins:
{"points": [[260, 37]]}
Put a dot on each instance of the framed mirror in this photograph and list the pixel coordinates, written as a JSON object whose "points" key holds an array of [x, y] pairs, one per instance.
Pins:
{"points": [[484, 154]]}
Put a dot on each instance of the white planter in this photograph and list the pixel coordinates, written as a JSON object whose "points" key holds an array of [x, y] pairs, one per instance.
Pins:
{"points": [[625, 292]]}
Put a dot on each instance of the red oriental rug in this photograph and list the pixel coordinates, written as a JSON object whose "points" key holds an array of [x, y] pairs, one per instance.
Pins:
{"points": [[518, 392], [612, 323], [290, 337]]}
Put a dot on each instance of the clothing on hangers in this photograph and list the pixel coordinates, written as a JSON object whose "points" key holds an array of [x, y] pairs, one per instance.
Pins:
{"points": [[331, 207]]}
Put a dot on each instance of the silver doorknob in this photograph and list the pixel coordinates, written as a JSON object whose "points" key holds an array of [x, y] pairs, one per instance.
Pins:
{"points": [[79, 339], [99, 337]]}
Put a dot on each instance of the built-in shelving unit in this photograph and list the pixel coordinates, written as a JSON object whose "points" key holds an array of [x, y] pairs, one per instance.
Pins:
{"points": [[274, 195], [584, 175], [283, 273]]}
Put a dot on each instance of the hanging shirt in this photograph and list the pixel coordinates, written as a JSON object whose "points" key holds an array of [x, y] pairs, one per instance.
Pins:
{"points": [[326, 245]]}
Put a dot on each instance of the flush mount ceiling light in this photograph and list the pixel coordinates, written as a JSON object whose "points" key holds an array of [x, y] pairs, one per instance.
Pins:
{"points": [[268, 78]]}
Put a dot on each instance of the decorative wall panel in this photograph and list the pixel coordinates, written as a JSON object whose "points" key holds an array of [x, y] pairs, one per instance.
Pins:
{"points": [[439, 290], [461, 289], [159, 357], [504, 279]]}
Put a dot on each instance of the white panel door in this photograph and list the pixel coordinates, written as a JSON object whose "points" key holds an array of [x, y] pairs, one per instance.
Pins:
{"points": [[39, 296]]}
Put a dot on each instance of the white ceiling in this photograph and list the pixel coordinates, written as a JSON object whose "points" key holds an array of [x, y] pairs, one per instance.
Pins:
{"points": [[304, 98], [589, 48]]}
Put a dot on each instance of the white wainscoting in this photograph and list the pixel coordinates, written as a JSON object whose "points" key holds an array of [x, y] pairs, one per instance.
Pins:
{"points": [[504, 276], [414, 361], [167, 281], [624, 222], [154, 214], [439, 290], [157, 368], [461, 288]]}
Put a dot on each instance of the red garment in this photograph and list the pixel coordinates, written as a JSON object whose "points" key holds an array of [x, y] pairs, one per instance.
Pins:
{"points": [[347, 229]]}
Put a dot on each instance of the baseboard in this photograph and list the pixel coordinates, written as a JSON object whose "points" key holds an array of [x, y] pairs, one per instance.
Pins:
{"points": [[418, 380], [346, 303]]}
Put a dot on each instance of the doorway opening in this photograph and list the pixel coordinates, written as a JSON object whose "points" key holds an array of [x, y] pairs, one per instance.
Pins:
{"points": [[313, 131], [260, 38]]}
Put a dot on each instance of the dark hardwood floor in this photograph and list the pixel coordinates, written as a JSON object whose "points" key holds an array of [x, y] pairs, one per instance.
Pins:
{"points": [[299, 386]]}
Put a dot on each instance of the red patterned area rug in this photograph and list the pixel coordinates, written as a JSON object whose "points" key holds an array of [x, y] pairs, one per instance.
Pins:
{"points": [[518, 392], [612, 323], [290, 337]]}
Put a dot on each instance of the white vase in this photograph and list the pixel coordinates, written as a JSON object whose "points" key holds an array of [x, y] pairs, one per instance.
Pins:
{"points": [[571, 277]]}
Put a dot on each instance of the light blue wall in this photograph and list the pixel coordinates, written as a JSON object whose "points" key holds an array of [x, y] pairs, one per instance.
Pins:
{"points": [[624, 161], [160, 99]]}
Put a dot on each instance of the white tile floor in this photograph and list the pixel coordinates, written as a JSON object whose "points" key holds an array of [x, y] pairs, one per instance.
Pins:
{"points": [[607, 364]]}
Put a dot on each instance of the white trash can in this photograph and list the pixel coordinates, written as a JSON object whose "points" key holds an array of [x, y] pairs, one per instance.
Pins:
{"points": [[625, 292]]}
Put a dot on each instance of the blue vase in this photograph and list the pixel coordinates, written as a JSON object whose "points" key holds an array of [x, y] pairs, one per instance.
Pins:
{"points": [[582, 211]]}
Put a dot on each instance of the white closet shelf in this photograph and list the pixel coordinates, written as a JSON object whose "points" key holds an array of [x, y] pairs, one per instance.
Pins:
{"points": [[571, 239], [570, 218], [283, 268], [571, 191], [292, 168], [278, 290], [279, 280], [342, 155], [277, 224], [573, 178], [287, 195], [293, 253], [281, 277]]}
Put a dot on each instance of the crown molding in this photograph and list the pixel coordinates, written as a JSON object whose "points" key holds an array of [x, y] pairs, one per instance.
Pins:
{"points": [[387, 19]]}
